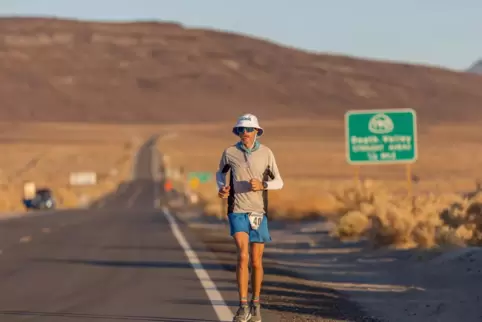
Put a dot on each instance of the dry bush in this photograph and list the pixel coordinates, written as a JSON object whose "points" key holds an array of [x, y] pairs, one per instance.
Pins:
{"points": [[369, 210], [463, 221]]}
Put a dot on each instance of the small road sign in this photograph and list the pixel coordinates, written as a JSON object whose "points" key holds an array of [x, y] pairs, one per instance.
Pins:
{"points": [[202, 177]]}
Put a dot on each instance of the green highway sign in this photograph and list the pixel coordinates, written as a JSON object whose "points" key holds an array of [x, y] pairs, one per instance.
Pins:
{"points": [[203, 177], [381, 136]]}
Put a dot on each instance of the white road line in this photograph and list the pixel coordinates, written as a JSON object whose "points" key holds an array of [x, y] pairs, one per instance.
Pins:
{"points": [[222, 310], [133, 197], [25, 239]]}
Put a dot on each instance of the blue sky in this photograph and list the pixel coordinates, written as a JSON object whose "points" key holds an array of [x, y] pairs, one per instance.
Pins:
{"points": [[435, 32]]}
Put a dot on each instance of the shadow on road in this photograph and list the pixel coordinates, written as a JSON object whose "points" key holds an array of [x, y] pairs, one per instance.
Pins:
{"points": [[285, 290], [136, 264], [269, 269], [300, 299], [101, 316], [312, 301]]}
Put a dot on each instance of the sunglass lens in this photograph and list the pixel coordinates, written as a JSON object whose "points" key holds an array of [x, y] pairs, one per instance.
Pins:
{"points": [[242, 129]]}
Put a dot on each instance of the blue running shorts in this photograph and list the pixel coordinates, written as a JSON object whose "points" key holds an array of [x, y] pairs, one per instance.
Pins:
{"points": [[240, 222]]}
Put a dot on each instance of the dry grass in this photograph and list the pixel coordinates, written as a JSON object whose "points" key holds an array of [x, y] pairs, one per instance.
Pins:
{"points": [[369, 210], [311, 158], [47, 153]]}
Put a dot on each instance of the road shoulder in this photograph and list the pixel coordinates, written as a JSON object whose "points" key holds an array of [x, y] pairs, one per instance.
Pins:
{"points": [[290, 292]]}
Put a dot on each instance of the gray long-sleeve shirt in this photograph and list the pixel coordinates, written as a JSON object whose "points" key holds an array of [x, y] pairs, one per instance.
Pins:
{"points": [[245, 167]]}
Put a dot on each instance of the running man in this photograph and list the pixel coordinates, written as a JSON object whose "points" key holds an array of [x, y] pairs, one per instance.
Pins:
{"points": [[253, 172]]}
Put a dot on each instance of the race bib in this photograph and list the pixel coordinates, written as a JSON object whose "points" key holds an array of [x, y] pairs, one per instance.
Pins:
{"points": [[255, 219]]}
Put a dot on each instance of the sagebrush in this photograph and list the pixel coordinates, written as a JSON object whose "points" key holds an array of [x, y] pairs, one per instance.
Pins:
{"points": [[369, 210]]}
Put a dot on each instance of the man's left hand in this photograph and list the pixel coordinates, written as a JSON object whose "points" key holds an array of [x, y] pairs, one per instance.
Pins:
{"points": [[256, 185]]}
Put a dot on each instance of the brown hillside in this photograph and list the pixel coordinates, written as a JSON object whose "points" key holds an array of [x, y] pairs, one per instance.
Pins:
{"points": [[64, 70]]}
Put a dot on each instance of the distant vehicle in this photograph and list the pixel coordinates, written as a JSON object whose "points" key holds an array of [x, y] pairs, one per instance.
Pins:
{"points": [[43, 199]]}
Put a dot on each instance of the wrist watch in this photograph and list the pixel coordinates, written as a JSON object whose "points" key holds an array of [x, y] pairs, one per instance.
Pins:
{"points": [[265, 185]]}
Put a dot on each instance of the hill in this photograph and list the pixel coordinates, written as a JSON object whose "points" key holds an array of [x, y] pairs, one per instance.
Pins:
{"points": [[476, 67], [67, 70]]}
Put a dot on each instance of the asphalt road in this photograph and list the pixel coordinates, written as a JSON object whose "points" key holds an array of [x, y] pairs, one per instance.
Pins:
{"points": [[126, 259]]}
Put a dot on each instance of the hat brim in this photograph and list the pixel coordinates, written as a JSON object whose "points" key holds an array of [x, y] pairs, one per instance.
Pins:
{"points": [[260, 131]]}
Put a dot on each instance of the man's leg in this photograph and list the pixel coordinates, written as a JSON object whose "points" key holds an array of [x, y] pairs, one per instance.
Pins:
{"points": [[257, 273], [257, 266], [242, 275]]}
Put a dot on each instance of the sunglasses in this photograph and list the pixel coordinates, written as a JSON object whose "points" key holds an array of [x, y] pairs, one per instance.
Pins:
{"points": [[240, 130]]}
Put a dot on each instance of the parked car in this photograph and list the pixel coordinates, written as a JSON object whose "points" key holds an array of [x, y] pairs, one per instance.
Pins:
{"points": [[43, 199]]}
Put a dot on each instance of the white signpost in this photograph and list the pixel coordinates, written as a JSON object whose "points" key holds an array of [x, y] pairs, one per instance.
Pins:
{"points": [[83, 178]]}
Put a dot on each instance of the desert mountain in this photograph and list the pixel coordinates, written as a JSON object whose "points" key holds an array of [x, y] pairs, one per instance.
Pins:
{"points": [[476, 67], [67, 70]]}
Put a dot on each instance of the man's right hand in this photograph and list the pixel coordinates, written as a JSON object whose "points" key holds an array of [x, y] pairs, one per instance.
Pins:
{"points": [[224, 192]]}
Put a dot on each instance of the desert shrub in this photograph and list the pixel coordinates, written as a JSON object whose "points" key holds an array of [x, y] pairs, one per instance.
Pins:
{"points": [[354, 223], [368, 210], [463, 221]]}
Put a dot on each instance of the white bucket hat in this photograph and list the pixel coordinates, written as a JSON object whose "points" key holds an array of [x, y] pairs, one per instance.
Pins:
{"points": [[248, 120]]}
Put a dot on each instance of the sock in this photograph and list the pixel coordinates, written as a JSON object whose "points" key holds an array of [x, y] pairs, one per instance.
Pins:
{"points": [[243, 301], [255, 300]]}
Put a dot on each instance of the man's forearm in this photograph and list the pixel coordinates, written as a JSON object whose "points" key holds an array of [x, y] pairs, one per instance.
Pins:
{"points": [[220, 179], [275, 184]]}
